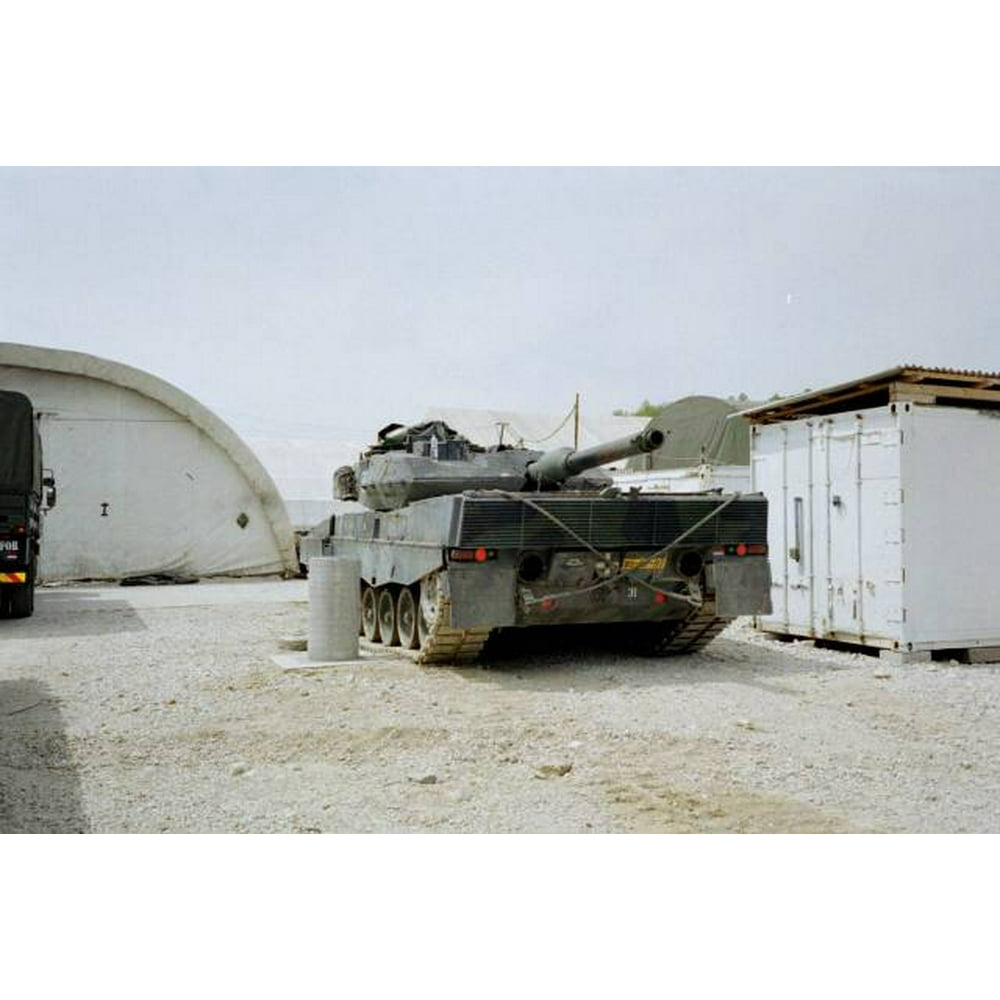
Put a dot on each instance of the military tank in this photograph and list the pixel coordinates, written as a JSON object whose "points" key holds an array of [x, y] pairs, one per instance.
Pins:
{"points": [[456, 540]]}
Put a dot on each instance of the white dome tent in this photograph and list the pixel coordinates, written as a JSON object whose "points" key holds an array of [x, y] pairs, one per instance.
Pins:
{"points": [[149, 481]]}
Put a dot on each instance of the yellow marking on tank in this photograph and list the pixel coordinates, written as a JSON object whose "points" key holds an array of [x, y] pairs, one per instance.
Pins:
{"points": [[649, 563], [13, 577]]}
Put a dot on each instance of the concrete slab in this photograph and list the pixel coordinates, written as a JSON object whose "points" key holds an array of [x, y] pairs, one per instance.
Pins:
{"points": [[984, 654], [900, 657], [301, 661]]}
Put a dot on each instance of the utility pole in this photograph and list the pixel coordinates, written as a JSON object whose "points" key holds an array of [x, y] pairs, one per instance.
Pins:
{"points": [[576, 423]]}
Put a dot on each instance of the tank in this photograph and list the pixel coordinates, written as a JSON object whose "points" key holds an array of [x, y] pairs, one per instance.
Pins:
{"points": [[456, 540]]}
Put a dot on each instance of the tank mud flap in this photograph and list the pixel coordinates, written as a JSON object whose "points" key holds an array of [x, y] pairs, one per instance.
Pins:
{"points": [[742, 586], [482, 594]]}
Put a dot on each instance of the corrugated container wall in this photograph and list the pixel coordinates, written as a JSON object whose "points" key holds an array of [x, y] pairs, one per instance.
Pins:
{"points": [[883, 525]]}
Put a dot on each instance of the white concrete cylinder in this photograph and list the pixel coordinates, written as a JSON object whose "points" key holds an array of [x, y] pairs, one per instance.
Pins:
{"points": [[334, 608]]}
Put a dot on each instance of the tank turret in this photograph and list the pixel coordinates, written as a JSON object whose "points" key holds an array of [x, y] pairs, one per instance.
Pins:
{"points": [[408, 464]]}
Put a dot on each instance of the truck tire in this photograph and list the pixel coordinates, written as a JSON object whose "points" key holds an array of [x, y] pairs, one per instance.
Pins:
{"points": [[22, 599]]}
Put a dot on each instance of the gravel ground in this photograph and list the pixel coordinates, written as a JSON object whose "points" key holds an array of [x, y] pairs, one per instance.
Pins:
{"points": [[160, 710]]}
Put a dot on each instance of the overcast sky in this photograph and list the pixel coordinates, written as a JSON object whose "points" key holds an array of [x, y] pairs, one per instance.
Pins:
{"points": [[327, 302]]}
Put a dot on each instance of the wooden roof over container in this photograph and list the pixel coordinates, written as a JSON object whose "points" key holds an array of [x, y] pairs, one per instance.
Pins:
{"points": [[908, 383]]}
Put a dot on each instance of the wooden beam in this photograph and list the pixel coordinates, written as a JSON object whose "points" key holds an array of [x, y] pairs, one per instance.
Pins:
{"points": [[808, 405], [956, 379], [914, 385], [923, 393], [835, 398], [904, 392]]}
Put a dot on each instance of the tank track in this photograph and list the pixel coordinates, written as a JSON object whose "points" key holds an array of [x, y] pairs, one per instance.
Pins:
{"points": [[450, 645], [445, 644], [462, 646], [696, 633], [690, 636]]}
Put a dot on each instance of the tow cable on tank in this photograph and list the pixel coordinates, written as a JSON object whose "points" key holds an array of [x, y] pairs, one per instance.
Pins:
{"points": [[622, 574]]}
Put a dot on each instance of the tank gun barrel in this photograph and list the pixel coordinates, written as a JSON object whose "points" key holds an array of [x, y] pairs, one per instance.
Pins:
{"points": [[561, 463]]}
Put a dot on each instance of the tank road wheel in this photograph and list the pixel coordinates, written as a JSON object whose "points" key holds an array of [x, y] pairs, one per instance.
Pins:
{"points": [[406, 619], [369, 614], [427, 608], [387, 617]]}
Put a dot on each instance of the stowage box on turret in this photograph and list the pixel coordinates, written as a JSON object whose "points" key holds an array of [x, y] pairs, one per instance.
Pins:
{"points": [[459, 540]]}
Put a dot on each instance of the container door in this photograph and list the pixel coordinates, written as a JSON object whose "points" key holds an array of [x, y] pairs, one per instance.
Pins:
{"points": [[781, 470], [841, 471], [767, 476], [862, 512], [799, 529]]}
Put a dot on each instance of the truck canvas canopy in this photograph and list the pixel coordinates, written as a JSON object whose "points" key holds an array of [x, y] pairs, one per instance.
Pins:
{"points": [[17, 436]]}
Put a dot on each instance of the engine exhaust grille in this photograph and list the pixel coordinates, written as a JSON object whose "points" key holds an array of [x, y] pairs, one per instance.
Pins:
{"points": [[608, 523]]}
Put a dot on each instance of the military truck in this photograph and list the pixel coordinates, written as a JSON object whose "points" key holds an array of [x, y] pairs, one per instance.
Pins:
{"points": [[458, 540], [24, 493]]}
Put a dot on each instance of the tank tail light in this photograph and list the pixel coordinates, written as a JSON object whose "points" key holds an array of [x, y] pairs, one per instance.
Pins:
{"points": [[659, 598], [479, 555], [740, 549]]}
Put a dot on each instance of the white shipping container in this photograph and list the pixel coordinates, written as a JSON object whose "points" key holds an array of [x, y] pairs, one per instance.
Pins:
{"points": [[727, 478], [882, 525]]}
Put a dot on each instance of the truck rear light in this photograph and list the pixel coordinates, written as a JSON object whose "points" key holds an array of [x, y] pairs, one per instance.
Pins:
{"points": [[471, 555]]}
